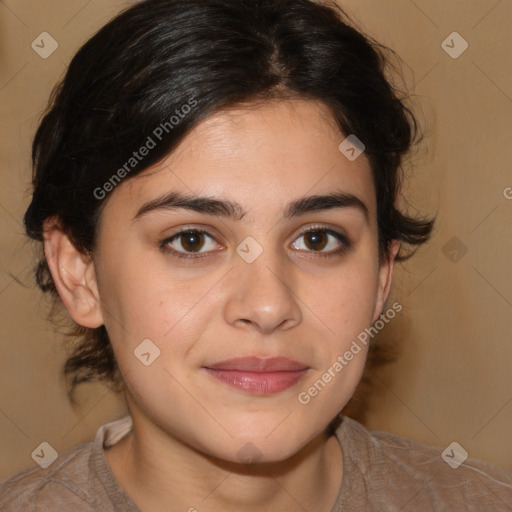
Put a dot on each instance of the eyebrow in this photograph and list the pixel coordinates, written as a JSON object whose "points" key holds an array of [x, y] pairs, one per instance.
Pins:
{"points": [[235, 211]]}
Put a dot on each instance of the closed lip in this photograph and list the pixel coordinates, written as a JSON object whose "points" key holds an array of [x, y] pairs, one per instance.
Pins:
{"points": [[258, 365]]}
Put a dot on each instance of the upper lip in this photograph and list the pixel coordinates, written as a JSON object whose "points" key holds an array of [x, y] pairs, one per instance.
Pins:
{"points": [[258, 364]]}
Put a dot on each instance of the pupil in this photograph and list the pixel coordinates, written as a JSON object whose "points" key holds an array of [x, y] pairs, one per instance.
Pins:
{"points": [[195, 240], [316, 237]]}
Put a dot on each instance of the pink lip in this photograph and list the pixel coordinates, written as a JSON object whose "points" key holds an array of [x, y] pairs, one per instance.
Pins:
{"points": [[258, 376]]}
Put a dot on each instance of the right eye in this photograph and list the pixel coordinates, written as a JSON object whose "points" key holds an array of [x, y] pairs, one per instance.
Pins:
{"points": [[188, 243]]}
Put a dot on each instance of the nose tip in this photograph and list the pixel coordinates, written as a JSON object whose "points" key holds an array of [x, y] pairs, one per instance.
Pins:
{"points": [[262, 298], [263, 325]]}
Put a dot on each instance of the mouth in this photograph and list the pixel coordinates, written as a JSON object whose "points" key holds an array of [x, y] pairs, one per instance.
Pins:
{"points": [[258, 376]]}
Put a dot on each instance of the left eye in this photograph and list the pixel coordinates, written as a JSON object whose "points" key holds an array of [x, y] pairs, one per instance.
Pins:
{"points": [[318, 239]]}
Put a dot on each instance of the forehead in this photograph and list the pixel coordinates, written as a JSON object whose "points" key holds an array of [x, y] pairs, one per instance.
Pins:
{"points": [[261, 155]]}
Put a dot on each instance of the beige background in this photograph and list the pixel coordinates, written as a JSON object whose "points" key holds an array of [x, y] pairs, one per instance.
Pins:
{"points": [[452, 381]]}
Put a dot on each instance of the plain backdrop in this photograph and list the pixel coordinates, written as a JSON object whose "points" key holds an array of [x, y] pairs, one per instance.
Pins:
{"points": [[452, 378]]}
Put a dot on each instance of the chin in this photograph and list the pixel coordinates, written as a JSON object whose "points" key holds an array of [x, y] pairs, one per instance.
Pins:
{"points": [[253, 453], [264, 444]]}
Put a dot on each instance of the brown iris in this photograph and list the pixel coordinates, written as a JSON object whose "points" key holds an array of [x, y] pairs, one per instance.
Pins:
{"points": [[315, 237], [192, 240]]}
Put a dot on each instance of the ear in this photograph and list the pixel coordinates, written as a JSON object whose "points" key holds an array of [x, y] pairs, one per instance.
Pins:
{"points": [[74, 275], [385, 279]]}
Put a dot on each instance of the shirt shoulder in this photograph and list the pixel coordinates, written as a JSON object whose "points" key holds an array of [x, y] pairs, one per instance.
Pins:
{"points": [[62, 484], [79, 480], [401, 474]]}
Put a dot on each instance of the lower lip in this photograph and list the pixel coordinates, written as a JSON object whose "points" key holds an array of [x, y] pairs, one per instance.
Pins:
{"points": [[258, 383]]}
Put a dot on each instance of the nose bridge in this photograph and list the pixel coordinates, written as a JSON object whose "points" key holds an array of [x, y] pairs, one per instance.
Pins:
{"points": [[262, 291]]}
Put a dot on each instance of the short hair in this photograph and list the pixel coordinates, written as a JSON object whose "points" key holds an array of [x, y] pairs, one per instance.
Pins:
{"points": [[142, 68]]}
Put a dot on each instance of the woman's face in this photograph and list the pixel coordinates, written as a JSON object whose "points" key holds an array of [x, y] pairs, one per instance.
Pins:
{"points": [[251, 286]]}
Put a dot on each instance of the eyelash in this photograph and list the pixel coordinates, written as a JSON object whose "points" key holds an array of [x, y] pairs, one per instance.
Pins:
{"points": [[345, 243]]}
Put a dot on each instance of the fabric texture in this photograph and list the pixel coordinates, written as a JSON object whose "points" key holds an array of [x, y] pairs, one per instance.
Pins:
{"points": [[382, 472]]}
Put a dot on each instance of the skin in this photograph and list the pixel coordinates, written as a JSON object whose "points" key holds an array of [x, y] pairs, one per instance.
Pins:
{"points": [[188, 426]]}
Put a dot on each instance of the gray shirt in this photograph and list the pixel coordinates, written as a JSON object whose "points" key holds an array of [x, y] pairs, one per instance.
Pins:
{"points": [[381, 472]]}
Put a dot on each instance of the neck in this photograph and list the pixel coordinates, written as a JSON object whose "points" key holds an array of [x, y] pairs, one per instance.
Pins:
{"points": [[156, 474], [157, 470]]}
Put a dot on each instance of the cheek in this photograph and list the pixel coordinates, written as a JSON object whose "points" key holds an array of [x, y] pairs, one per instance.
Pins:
{"points": [[345, 301], [345, 308], [149, 302]]}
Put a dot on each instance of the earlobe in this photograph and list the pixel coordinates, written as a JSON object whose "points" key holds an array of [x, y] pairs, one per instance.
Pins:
{"points": [[74, 275], [385, 279]]}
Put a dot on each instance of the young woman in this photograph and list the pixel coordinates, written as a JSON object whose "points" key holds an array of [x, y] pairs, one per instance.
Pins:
{"points": [[215, 189]]}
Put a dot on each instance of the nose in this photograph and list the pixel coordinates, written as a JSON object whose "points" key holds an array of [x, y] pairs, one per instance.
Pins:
{"points": [[261, 296]]}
